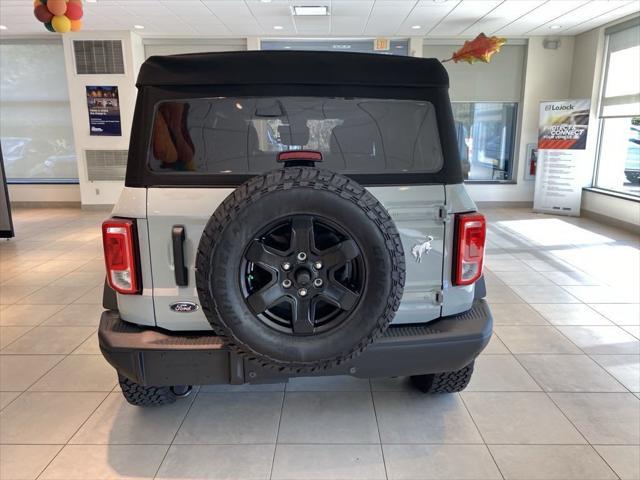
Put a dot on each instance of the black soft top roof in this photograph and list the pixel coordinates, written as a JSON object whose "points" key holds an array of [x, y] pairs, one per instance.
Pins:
{"points": [[292, 68]]}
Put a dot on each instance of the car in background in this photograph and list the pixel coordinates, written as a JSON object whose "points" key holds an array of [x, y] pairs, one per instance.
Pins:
{"points": [[632, 162]]}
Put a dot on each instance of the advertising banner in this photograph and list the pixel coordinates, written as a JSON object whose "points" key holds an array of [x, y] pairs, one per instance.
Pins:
{"points": [[562, 168], [104, 111]]}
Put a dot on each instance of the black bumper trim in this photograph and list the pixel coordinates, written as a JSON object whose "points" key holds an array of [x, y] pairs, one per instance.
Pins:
{"points": [[151, 356]]}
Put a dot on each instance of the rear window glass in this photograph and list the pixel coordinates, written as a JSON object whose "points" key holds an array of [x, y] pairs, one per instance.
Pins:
{"points": [[245, 135]]}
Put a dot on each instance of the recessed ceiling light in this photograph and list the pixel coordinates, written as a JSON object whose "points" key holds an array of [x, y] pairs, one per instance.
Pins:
{"points": [[3, 27], [139, 27], [416, 27], [278, 27], [310, 10], [555, 27]]}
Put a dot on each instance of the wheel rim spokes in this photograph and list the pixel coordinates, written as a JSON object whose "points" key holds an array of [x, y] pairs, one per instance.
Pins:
{"points": [[340, 254], [266, 297], [263, 255], [340, 296], [308, 287], [302, 236], [303, 316]]}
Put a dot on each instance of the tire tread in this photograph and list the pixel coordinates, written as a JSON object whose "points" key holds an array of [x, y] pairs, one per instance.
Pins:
{"points": [[142, 396], [445, 382]]}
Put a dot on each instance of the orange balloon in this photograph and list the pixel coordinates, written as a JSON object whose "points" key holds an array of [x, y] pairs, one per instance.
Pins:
{"points": [[76, 25], [57, 7], [61, 24]]}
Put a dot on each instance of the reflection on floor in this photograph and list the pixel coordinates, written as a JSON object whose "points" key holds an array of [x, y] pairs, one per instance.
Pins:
{"points": [[555, 395]]}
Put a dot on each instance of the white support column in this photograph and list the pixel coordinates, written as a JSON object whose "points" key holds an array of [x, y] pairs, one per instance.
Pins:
{"points": [[415, 46], [253, 43], [102, 192]]}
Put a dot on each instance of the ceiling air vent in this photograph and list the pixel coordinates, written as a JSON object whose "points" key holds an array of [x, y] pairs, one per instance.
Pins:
{"points": [[94, 57], [106, 165]]}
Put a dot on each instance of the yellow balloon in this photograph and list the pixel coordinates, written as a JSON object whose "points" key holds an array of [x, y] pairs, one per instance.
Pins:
{"points": [[76, 25], [61, 24]]}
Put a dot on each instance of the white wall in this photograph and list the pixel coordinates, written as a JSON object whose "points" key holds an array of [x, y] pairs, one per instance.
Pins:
{"points": [[618, 209], [96, 193], [44, 193], [585, 83], [547, 77]]}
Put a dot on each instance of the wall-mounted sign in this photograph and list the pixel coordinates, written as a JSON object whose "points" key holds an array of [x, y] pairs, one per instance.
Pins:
{"points": [[381, 44], [532, 162], [104, 111], [562, 168]]}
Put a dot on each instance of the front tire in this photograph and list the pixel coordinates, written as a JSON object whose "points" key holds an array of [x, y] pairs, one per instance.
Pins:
{"points": [[142, 396], [446, 382]]}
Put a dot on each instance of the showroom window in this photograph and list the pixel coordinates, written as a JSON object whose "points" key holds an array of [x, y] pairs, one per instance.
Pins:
{"points": [[486, 132], [618, 166], [485, 100], [36, 132]]}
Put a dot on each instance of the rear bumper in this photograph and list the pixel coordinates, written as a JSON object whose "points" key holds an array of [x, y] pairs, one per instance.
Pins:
{"points": [[155, 357]]}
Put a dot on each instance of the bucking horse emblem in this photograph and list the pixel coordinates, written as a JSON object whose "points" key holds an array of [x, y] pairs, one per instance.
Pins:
{"points": [[420, 248]]}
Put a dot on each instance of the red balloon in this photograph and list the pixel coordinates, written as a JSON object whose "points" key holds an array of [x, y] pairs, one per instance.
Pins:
{"points": [[42, 13], [74, 11], [57, 7]]}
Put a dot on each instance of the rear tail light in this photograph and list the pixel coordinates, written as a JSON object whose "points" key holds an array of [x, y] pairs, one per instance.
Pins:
{"points": [[471, 232], [118, 237]]}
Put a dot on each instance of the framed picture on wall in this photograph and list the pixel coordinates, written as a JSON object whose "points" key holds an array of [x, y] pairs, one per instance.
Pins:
{"points": [[532, 161], [104, 111]]}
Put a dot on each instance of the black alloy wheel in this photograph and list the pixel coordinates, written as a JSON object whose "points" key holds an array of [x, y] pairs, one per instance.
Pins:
{"points": [[303, 275]]}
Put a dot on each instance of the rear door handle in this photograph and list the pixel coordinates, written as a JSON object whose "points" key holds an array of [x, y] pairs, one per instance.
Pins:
{"points": [[181, 272]]}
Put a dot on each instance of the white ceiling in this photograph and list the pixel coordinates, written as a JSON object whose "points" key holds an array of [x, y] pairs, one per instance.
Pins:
{"points": [[371, 18]]}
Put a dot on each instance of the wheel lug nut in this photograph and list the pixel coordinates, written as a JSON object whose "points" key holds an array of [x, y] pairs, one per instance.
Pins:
{"points": [[317, 282], [302, 292], [317, 265], [286, 266], [302, 256], [286, 283]]}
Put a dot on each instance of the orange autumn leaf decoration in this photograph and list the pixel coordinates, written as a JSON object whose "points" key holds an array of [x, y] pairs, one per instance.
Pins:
{"points": [[480, 49]]}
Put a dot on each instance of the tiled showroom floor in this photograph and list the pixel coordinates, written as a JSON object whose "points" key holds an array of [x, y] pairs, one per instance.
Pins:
{"points": [[554, 396]]}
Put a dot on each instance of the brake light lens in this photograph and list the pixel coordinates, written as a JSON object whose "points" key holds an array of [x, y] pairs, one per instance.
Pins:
{"points": [[471, 233], [119, 255]]}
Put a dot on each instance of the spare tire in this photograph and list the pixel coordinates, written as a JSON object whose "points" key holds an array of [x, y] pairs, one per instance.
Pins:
{"points": [[300, 269]]}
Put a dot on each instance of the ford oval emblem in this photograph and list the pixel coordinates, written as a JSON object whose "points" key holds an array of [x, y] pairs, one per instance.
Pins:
{"points": [[184, 307]]}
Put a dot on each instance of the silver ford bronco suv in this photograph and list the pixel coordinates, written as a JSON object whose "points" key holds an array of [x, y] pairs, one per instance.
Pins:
{"points": [[292, 214]]}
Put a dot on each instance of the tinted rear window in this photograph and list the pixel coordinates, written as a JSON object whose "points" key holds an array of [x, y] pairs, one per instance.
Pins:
{"points": [[244, 135]]}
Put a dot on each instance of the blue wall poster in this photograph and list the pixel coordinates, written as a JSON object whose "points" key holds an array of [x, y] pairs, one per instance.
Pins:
{"points": [[104, 111]]}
